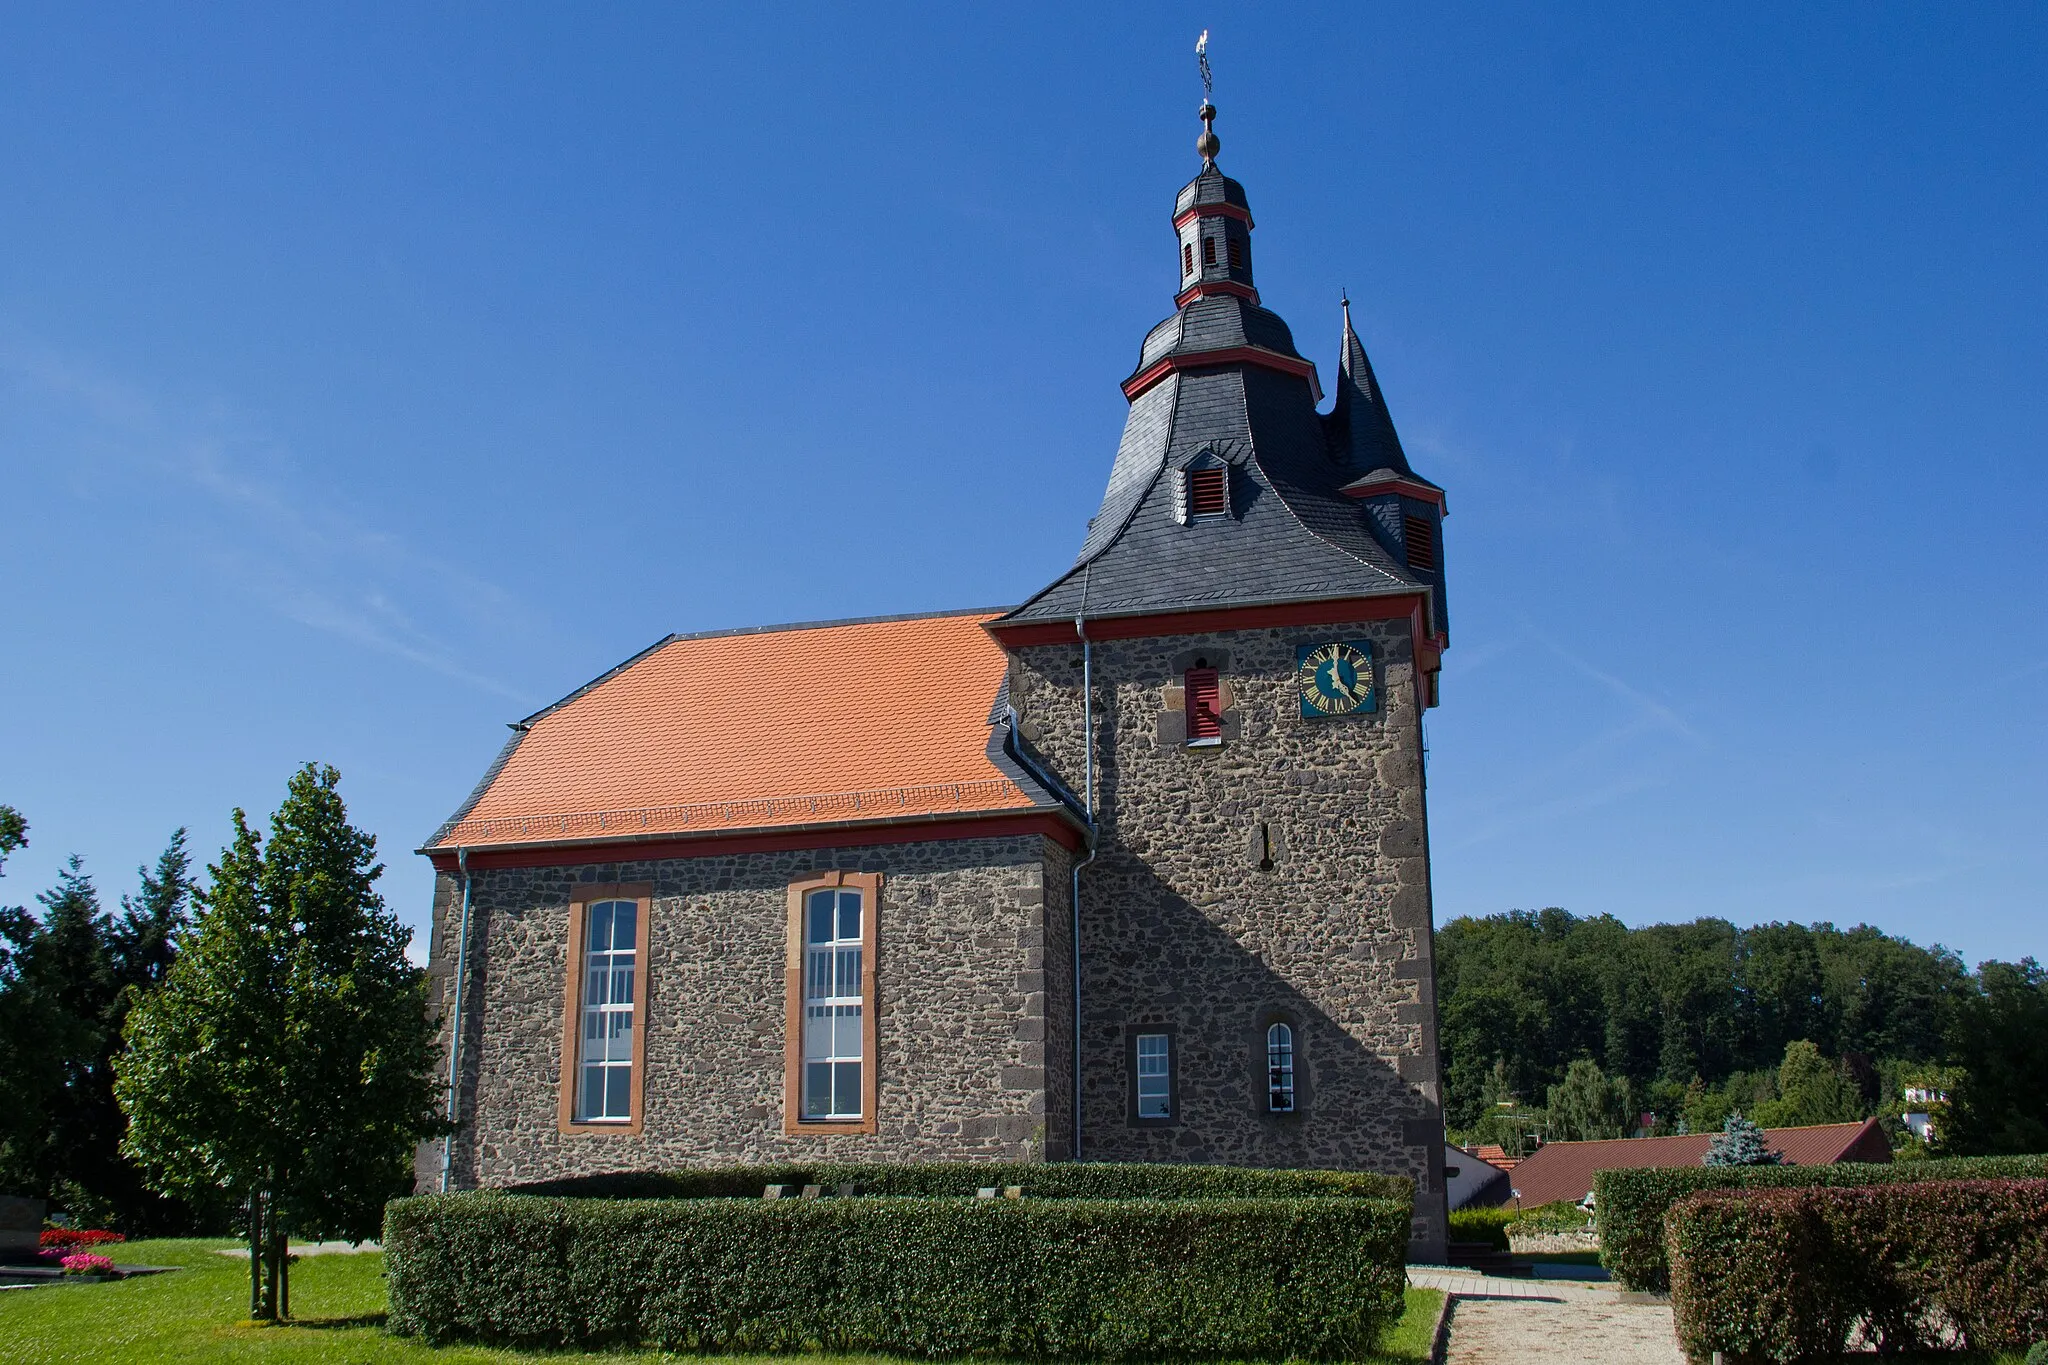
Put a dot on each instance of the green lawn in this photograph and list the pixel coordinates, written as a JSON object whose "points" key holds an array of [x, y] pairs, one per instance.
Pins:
{"points": [[196, 1314]]}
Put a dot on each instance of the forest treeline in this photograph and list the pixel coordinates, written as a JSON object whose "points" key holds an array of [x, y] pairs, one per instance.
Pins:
{"points": [[1568, 1027]]}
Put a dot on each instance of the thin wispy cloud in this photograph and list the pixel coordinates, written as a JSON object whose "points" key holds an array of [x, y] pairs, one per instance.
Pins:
{"points": [[235, 497], [1647, 706]]}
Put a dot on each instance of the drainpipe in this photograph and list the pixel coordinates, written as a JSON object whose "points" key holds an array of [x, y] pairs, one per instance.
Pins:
{"points": [[1074, 899], [455, 1032]]}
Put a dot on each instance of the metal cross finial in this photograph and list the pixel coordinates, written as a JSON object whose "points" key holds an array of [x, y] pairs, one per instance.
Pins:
{"points": [[1202, 60]]}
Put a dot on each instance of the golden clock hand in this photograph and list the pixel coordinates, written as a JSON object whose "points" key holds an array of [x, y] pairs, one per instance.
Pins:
{"points": [[1337, 683]]}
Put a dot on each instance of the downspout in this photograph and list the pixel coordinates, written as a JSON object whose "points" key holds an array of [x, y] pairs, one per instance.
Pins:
{"points": [[1074, 899], [455, 1032]]}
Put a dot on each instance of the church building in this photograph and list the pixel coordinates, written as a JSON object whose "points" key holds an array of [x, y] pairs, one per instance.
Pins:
{"points": [[1137, 870]]}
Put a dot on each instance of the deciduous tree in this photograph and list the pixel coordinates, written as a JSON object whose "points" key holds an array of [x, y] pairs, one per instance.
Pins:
{"points": [[287, 1056]]}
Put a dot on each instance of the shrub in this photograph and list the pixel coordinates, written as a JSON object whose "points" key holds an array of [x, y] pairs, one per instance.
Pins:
{"points": [[1562, 1216], [1488, 1226], [1785, 1274], [1630, 1204], [1066, 1278], [1040, 1180]]}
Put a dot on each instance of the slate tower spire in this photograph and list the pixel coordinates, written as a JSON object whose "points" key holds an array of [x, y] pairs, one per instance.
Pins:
{"points": [[1311, 507]]}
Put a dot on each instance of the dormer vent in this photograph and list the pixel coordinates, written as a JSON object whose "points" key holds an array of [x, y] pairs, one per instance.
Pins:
{"points": [[1209, 492]]}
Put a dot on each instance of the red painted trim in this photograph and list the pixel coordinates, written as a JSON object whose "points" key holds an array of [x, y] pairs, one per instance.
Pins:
{"points": [[1209, 360], [1049, 823], [1186, 216], [1407, 488], [1203, 289], [1137, 627]]}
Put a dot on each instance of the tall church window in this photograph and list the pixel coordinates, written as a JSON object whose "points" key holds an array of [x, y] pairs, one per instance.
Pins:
{"points": [[1208, 250], [1280, 1069], [1203, 691], [832, 1005], [1187, 258], [605, 1078], [604, 1047], [831, 1045], [1237, 249]]}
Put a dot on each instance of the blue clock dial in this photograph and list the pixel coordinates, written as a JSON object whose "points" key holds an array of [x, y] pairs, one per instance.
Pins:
{"points": [[1335, 679]]}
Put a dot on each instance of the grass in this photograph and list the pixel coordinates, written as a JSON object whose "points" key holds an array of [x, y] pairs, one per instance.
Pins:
{"points": [[196, 1313]]}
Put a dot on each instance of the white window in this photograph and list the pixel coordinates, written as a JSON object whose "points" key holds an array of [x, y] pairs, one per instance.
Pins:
{"points": [[1155, 1077], [1280, 1069], [832, 1005], [605, 1094]]}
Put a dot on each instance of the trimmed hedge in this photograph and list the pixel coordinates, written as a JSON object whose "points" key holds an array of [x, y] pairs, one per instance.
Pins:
{"points": [[1488, 1225], [940, 1179], [1630, 1204], [1062, 1278], [1561, 1216], [1787, 1274], [1493, 1224]]}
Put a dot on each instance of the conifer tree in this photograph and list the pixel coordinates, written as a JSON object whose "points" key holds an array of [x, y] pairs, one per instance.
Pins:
{"points": [[287, 1056], [1740, 1143]]}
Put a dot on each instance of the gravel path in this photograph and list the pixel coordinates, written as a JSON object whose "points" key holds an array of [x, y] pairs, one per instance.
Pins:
{"points": [[1497, 1321]]}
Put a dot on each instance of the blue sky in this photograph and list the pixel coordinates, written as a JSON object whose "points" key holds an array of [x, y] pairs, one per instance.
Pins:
{"points": [[372, 375]]}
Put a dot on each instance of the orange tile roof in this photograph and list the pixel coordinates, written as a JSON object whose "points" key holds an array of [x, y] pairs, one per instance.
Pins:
{"points": [[1493, 1154], [865, 720], [1564, 1170]]}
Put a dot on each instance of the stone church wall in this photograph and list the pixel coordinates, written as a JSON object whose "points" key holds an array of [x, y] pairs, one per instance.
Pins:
{"points": [[1182, 926], [962, 960]]}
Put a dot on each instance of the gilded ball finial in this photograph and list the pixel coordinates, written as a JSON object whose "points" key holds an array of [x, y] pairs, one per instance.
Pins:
{"points": [[1208, 144]]}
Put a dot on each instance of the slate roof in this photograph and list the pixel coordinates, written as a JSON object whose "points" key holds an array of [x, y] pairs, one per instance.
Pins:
{"points": [[1210, 187], [1293, 536], [1361, 430], [887, 719], [1564, 1170]]}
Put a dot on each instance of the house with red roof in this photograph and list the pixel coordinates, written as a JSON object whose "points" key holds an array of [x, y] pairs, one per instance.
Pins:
{"points": [[1135, 870], [1564, 1170]]}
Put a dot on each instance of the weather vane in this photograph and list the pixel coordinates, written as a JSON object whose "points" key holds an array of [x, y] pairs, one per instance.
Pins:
{"points": [[1208, 144]]}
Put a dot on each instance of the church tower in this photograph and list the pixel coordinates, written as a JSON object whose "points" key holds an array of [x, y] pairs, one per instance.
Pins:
{"points": [[1230, 680]]}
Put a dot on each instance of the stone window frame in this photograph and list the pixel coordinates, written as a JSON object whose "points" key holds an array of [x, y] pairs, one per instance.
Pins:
{"points": [[869, 884], [585, 895], [1132, 1032], [1261, 1094]]}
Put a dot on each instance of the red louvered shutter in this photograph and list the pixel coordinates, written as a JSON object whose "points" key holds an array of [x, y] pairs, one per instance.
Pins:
{"points": [[1208, 492], [1205, 715], [1420, 538]]}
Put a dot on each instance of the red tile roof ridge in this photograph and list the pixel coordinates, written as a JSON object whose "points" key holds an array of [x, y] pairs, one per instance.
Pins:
{"points": [[873, 803]]}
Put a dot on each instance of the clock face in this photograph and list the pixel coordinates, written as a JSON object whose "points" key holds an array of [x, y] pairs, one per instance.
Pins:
{"points": [[1335, 679]]}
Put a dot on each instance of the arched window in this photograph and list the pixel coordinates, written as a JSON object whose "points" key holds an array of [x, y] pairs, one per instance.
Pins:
{"points": [[611, 939], [1280, 1069], [1187, 258], [829, 1054], [833, 1005], [1208, 250]]}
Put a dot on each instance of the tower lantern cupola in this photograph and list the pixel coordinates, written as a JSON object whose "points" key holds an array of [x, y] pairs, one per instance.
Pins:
{"points": [[1231, 491], [1214, 223]]}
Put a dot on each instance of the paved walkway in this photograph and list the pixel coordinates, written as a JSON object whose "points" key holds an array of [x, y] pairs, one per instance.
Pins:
{"points": [[1497, 1320]]}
